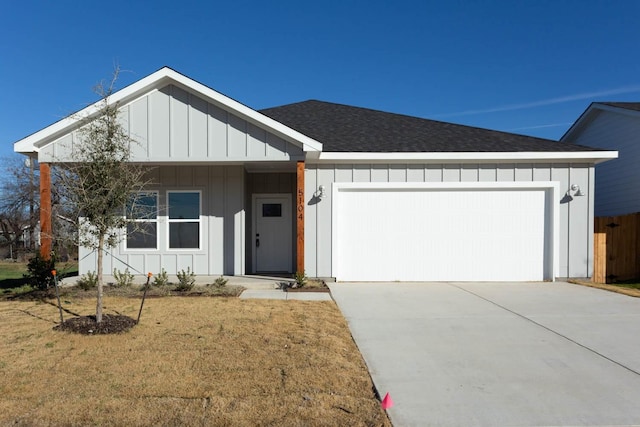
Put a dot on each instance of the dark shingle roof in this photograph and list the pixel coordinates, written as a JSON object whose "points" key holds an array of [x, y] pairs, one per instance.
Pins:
{"points": [[626, 105], [342, 128]]}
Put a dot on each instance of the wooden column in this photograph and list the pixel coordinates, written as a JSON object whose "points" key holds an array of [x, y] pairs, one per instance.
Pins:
{"points": [[46, 233], [300, 217]]}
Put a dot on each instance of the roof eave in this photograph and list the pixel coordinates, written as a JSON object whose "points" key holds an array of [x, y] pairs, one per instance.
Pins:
{"points": [[469, 157]]}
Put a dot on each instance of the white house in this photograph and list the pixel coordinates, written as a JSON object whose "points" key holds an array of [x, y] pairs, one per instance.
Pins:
{"points": [[341, 192], [615, 126]]}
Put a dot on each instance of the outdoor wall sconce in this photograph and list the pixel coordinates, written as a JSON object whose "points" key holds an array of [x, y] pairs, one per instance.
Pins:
{"points": [[576, 190], [321, 192]]}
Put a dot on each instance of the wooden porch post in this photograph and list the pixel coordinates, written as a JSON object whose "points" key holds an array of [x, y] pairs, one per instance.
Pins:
{"points": [[300, 217], [46, 233]]}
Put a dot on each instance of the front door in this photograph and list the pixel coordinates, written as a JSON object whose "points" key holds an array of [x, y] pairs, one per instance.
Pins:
{"points": [[272, 230]]}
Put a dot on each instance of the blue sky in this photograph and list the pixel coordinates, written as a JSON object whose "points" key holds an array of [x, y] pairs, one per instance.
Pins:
{"points": [[528, 67]]}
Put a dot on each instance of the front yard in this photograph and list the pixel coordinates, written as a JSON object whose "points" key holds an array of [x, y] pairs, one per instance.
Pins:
{"points": [[190, 361]]}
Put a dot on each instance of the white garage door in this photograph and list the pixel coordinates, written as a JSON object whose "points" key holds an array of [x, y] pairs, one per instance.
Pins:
{"points": [[442, 234]]}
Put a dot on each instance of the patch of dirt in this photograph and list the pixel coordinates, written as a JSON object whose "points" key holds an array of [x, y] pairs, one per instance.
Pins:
{"points": [[86, 325]]}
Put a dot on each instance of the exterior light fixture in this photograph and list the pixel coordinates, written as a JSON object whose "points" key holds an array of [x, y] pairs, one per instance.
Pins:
{"points": [[321, 193], [576, 190]]}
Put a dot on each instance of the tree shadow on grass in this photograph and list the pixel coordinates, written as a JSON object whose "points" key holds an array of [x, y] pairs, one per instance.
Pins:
{"points": [[13, 283]]}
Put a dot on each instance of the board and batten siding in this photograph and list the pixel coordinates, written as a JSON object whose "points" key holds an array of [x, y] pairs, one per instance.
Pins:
{"points": [[173, 125], [617, 189], [222, 223], [576, 216]]}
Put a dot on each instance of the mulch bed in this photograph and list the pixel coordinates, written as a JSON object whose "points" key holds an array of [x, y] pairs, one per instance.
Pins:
{"points": [[86, 325]]}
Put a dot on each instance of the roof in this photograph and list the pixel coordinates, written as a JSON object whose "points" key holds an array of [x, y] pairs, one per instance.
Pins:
{"points": [[343, 128], [626, 105]]}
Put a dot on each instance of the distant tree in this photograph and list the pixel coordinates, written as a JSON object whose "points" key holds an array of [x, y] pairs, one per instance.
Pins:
{"points": [[19, 202], [99, 180]]}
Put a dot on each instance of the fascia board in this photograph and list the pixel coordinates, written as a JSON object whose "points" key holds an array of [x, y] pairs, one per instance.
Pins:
{"points": [[468, 157], [159, 79]]}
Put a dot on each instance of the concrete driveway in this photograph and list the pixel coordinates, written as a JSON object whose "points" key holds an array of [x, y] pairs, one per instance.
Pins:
{"points": [[498, 354]]}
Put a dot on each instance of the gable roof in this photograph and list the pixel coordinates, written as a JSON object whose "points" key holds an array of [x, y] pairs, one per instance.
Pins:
{"points": [[343, 128], [595, 108], [161, 78]]}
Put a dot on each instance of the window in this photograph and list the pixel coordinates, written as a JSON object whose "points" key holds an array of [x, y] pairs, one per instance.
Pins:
{"points": [[272, 210], [142, 232], [184, 219]]}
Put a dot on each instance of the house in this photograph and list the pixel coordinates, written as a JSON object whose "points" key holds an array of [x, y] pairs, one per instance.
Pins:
{"points": [[340, 192], [615, 126]]}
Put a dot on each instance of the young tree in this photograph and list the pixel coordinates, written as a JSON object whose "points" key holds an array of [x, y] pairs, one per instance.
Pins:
{"points": [[100, 181]]}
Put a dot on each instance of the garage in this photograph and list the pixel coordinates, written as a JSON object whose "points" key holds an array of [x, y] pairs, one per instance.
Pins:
{"points": [[444, 231]]}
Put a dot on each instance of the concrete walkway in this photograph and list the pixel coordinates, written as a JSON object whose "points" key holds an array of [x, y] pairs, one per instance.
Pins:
{"points": [[498, 354]]}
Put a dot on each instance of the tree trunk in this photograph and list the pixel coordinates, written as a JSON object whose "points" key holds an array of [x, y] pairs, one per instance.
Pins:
{"points": [[99, 302]]}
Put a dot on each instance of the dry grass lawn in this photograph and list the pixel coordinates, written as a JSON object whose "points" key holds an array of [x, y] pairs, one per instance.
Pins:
{"points": [[620, 288], [190, 361]]}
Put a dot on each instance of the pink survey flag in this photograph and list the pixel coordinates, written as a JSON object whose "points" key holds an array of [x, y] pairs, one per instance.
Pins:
{"points": [[387, 402]]}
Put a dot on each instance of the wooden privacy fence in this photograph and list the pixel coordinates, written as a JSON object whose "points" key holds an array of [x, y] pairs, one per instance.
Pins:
{"points": [[616, 248]]}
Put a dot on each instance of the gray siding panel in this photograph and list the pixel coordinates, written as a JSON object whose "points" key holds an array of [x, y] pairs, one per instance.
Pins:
{"points": [[172, 124], [415, 173], [237, 138], [256, 142], [198, 128], [222, 226], [579, 227], [159, 124], [576, 216], [311, 220], [218, 133], [469, 173], [560, 173], [487, 173], [326, 176], [179, 112], [138, 127]]}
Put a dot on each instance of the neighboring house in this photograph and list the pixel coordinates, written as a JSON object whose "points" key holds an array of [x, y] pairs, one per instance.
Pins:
{"points": [[341, 192], [614, 126]]}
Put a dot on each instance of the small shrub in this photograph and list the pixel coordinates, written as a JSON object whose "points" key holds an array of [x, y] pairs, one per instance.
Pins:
{"points": [[39, 271], [186, 280], [301, 279], [220, 282], [124, 279], [88, 281], [161, 279]]}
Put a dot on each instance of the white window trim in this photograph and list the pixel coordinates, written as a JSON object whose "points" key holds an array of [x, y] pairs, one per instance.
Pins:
{"points": [[170, 221], [156, 221]]}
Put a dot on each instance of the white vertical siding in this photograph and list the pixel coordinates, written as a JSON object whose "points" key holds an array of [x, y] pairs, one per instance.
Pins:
{"points": [[198, 126], [575, 216], [179, 140], [171, 124], [222, 226], [159, 124], [138, 130]]}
